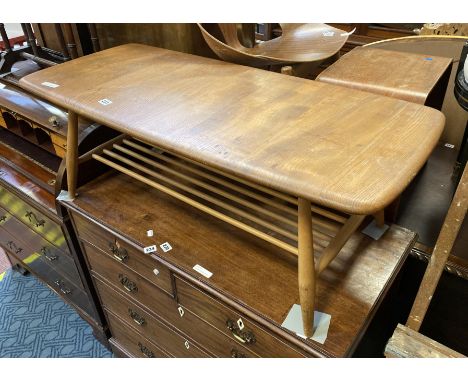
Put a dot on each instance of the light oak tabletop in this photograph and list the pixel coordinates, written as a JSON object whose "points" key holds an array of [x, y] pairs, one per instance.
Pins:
{"points": [[408, 76], [338, 147]]}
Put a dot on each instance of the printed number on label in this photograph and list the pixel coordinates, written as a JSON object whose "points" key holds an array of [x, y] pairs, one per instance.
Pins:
{"points": [[151, 248], [166, 247], [105, 101]]}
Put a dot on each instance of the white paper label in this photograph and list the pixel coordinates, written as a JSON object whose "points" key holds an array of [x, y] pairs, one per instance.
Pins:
{"points": [[105, 101], [50, 84], [181, 311], [449, 145], [203, 271], [166, 247], [151, 248], [149, 233]]}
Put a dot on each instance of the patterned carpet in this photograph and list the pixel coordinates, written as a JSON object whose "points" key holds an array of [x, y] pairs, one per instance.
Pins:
{"points": [[35, 322]]}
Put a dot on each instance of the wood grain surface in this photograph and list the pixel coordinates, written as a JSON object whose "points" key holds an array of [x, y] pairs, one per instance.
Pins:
{"points": [[250, 272], [349, 150], [402, 75], [408, 343], [297, 43]]}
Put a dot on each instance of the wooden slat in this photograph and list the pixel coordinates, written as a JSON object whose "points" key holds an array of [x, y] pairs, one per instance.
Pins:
{"points": [[203, 196], [448, 234], [321, 211], [407, 343], [200, 206], [208, 187]]}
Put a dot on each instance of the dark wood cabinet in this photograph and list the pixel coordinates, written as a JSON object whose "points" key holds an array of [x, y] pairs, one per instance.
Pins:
{"points": [[158, 305]]}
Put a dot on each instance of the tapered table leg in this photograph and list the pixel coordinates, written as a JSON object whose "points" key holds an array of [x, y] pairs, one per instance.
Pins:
{"points": [[306, 267], [72, 153]]}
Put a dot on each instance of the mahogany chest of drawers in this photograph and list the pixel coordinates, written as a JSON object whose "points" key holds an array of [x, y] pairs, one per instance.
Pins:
{"points": [[35, 237], [158, 305]]}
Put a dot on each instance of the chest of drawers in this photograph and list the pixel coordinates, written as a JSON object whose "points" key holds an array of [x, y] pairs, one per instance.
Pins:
{"points": [[34, 232], [157, 305]]}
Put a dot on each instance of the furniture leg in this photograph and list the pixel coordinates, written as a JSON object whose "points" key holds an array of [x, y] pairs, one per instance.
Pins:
{"points": [[306, 267], [72, 153], [380, 218], [339, 241]]}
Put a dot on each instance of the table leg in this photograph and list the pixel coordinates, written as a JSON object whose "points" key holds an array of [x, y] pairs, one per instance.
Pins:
{"points": [[72, 153], [380, 218], [306, 267]]}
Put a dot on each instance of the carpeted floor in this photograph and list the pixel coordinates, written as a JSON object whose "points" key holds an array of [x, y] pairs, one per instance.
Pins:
{"points": [[35, 322]]}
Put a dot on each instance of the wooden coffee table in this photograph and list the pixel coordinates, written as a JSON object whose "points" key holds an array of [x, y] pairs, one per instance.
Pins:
{"points": [[294, 161]]}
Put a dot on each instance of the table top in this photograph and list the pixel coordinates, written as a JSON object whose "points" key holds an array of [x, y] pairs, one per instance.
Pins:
{"points": [[402, 75], [338, 147]]}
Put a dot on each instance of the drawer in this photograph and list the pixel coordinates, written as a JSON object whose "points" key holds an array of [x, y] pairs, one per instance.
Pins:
{"points": [[123, 252], [226, 320], [132, 341], [211, 338], [32, 260], [118, 350], [131, 284], [33, 218], [64, 264], [147, 325]]}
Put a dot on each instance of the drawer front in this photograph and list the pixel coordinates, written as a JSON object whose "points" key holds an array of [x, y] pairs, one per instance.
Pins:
{"points": [[34, 219], [131, 284], [227, 321], [147, 325], [122, 252], [210, 338], [48, 253], [32, 260], [132, 341]]}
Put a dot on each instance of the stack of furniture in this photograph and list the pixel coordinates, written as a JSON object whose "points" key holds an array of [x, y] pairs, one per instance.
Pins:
{"points": [[286, 179], [34, 231]]}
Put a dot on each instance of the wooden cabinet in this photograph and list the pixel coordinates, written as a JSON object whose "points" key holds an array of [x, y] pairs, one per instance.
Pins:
{"points": [[35, 238], [157, 305]]}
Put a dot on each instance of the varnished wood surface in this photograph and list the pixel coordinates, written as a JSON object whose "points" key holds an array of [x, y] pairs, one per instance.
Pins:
{"points": [[345, 149], [124, 253], [36, 110], [248, 270], [27, 167], [407, 343], [297, 43], [406, 76], [147, 325], [14, 180]]}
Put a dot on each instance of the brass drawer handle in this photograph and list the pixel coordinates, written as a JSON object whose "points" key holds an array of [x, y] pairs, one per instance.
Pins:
{"points": [[246, 337], [38, 223], [44, 252], [63, 287], [129, 285], [136, 317], [119, 253], [3, 218], [236, 354], [14, 247], [145, 350]]}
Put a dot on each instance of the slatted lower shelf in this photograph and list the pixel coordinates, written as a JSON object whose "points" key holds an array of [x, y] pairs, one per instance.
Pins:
{"points": [[261, 211]]}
